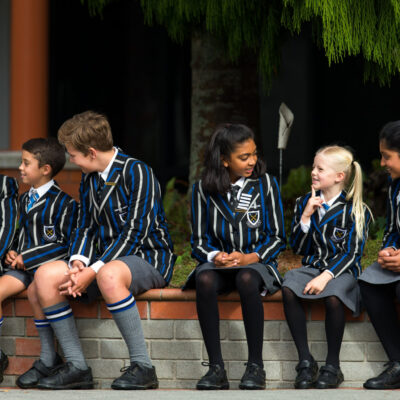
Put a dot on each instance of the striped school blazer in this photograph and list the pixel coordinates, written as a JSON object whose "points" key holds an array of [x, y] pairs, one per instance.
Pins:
{"points": [[256, 225], [331, 243], [44, 231], [125, 218], [391, 236], [8, 213]]}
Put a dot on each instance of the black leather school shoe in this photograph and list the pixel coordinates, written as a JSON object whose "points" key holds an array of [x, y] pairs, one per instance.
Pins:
{"points": [[388, 379], [329, 377], [253, 378], [136, 377], [3, 364], [307, 372], [68, 377], [214, 379], [31, 378]]}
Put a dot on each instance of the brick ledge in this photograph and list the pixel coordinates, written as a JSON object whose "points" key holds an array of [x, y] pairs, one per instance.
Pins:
{"points": [[171, 294]]}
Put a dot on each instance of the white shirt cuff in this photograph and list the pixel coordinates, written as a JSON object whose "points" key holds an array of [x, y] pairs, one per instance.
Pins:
{"points": [[96, 266], [305, 227], [79, 257], [211, 255], [327, 270]]}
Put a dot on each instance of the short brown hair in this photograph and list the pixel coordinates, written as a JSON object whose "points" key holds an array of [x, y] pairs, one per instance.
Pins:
{"points": [[47, 151], [85, 130]]}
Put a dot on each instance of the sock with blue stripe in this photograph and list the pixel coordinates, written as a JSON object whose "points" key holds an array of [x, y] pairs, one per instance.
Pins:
{"points": [[46, 336], [63, 323], [126, 316]]}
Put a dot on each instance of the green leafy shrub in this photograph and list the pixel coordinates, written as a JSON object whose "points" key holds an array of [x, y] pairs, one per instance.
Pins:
{"points": [[176, 206]]}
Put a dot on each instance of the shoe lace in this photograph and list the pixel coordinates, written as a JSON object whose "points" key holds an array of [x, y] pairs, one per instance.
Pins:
{"points": [[62, 368], [390, 370], [251, 369], [212, 367], [130, 369]]}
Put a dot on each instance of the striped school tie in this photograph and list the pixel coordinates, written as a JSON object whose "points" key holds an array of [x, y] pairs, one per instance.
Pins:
{"points": [[325, 206], [33, 197], [234, 194]]}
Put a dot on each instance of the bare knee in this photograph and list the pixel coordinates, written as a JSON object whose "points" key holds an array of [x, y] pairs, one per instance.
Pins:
{"points": [[48, 278], [113, 276]]}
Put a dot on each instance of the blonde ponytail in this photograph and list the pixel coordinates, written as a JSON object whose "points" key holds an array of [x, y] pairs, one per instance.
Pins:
{"points": [[355, 193], [343, 162]]}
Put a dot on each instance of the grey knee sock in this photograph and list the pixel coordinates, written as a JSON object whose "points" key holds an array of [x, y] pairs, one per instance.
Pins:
{"points": [[63, 323], [126, 316], [46, 336]]}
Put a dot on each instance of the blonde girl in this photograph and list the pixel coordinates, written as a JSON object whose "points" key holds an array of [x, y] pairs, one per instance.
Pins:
{"points": [[329, 229]]}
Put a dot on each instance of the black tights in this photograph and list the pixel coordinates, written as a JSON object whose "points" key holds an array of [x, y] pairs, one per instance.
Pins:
{"points": [[334, 325], [379, 300], [248, 283]]}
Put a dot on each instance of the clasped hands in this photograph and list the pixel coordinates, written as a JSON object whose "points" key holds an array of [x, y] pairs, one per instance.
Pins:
{"points": [[79, 278], [389, 258], [234, 259]]}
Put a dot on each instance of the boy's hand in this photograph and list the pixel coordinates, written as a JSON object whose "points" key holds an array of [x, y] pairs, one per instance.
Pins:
{"points": [[78, 264], [10, 257], [313, 203], [78, 283], [318, 284], [18, 262]]}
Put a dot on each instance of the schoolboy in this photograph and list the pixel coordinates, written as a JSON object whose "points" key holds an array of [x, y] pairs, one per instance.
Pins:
{"points": [[8, 223], [46, 215], [121, 240]]}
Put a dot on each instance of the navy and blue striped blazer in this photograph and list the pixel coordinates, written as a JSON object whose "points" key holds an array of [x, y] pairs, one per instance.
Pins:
{"points": [[331, 243], [126, 218], [45, 230], [255, 226], [8, 212], [391, 236]]}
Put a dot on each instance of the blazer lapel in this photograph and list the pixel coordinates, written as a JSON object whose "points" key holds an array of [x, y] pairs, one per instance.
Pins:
{"points": [[112, 180], [43, 199], [335, 210], [222, 205]]}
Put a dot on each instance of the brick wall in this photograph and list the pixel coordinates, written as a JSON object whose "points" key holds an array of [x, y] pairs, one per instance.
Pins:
{"points": [[175, 343]]}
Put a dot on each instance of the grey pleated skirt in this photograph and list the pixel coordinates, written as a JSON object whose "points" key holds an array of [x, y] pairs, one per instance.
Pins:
{"points": [[271, 278], [343, 287], [376, 275]]}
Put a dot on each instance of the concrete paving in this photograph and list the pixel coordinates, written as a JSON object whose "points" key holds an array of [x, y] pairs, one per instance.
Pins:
{"points": [[169, 394]]}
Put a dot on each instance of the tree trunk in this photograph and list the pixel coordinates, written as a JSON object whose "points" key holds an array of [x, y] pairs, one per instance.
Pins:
{"points": [[221, 92]]}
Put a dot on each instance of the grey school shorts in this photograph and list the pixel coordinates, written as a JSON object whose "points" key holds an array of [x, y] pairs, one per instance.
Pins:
{"points": [[26, 277], [144, 277]]}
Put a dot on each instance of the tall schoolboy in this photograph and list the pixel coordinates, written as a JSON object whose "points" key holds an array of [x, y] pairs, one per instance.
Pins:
{"points": [[46, 215], [121, 240], [329, 228], [238, 231], [8, 223], [380, 282]]}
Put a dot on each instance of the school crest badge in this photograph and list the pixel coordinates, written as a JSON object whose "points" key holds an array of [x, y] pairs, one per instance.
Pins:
{"points": [[49, 233], [122, 213], [338, 234], [253, 219]]}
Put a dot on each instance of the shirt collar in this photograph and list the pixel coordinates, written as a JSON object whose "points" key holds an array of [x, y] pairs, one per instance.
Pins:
{"points": [[42, 190], [239, 182], [105, 173], [332, 200]]}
